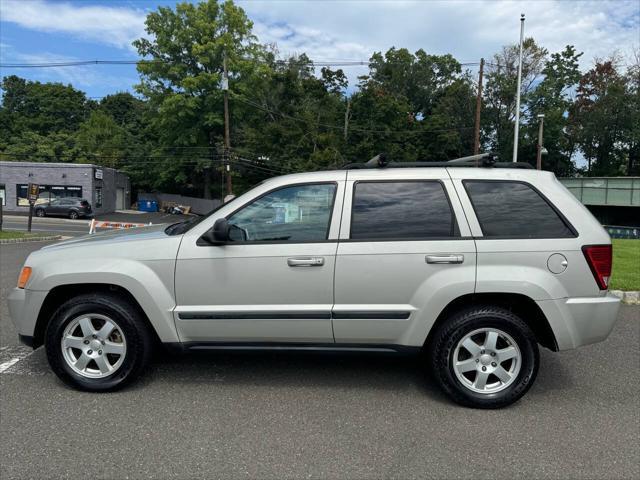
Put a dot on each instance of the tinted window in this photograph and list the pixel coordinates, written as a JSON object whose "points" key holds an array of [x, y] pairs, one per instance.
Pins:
{"points": [[294, 214], [402, 210], [514, 209]]}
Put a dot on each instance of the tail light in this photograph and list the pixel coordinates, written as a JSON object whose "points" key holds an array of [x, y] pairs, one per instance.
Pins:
{"points": [[599, 258]]}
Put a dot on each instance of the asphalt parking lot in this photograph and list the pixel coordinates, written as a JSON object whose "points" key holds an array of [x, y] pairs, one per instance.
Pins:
{"points": [[304, 415]]}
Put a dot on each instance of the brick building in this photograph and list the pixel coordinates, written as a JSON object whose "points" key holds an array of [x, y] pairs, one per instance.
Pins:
{"points": [[106, 189]]}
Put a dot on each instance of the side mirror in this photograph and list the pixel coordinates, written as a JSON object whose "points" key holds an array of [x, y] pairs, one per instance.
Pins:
{"points": [[219, 234]]}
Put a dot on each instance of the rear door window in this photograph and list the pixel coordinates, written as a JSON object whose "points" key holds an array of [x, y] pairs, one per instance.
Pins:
{"points": [[402, 210], [514, 210]]}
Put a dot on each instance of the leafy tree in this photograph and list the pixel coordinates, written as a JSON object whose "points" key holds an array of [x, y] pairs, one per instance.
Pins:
{"points": [[599, 116], [31, 146], [498, 117], [181, 77], [552, 96], [100, 137], [41, 107]]}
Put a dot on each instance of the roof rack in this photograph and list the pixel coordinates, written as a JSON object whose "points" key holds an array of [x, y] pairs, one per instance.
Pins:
{"points": [[486, 160]]}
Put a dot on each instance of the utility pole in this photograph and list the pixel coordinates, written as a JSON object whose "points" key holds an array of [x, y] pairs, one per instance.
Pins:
{"points": [[476, 137], [517, 126], [227, 140], [539, 150], [346, 119]]}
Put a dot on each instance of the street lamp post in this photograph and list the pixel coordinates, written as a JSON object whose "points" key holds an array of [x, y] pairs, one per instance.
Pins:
{"points": [[539, 150], [517, 125]]}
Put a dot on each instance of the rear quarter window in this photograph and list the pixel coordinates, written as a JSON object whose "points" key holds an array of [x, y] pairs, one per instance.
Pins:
{"points": [[515, 210]]}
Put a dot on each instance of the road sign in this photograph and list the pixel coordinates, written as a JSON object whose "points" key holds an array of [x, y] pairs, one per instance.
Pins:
{"points": [[34, 192]]}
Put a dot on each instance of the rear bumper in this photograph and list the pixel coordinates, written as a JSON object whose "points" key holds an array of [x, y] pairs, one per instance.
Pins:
{"points": [[581, 321]]}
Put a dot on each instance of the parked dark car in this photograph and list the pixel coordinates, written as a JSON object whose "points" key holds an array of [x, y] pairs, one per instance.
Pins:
{"points": [[65, 207]]}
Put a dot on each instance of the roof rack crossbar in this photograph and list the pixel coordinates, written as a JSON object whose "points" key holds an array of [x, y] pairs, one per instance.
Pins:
{"points": [[486, 160]]}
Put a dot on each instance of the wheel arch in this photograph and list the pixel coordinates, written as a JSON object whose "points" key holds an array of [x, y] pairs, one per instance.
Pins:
{"points": [[523, 306], [61, 293]]}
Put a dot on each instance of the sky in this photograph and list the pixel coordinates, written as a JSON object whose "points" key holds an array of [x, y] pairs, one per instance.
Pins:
{"points": [[33, 31]]}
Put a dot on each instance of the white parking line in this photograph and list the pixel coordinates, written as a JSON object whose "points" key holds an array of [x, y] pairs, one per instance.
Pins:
{"points": [[9, 356]]}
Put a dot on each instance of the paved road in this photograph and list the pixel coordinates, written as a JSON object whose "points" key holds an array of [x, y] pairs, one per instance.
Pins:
{"points": [[303, 415], [67, 227]]}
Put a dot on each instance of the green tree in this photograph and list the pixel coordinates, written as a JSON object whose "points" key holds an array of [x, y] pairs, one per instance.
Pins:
{"points": [[101, 140], [599, 119], [181, 77], [41, 107], [498, 116], [414, 106], [552, 97]]}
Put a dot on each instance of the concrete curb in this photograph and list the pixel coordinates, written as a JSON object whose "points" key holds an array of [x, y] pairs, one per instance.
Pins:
{"points": [[31, 239], [631, 298]]}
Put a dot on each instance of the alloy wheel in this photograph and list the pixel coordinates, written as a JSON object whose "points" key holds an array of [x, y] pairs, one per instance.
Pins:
{"points": [[93, 345], [486, 360]]}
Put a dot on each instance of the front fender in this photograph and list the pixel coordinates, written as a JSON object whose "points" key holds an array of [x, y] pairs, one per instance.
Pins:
{"points": [[149, 282]]}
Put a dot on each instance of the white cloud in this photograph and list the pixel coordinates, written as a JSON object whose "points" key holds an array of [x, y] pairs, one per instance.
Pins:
{"points": [[467, 29], [115, 26]]}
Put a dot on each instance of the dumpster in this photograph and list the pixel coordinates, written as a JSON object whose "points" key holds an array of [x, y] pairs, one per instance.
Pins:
{"points": [[147, 206]]}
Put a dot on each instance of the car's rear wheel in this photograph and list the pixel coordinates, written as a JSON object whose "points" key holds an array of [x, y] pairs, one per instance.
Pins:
{"points": [[97, 342], [40, 212], [484, 357], [73, 215]]}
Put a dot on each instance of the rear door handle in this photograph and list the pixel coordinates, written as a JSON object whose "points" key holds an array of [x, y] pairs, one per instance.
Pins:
{"points": [[450, 258], [305, 261]]}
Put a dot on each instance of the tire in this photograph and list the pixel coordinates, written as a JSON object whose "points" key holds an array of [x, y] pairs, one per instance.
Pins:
{"points": [[73, 215], [127, 349], [40, 212], [461, 374]]}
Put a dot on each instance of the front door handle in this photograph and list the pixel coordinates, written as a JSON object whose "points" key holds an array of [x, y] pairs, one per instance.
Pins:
{"points": [[449, 258], [305, 261]]}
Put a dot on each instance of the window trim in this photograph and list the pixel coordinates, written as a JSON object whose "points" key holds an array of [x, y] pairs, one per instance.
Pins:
{"points": [[567, 223], [454, 223], [284, 242]]}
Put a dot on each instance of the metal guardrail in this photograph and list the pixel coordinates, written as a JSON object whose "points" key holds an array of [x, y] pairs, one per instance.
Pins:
{"points": [[623, 232], [613, 191]]}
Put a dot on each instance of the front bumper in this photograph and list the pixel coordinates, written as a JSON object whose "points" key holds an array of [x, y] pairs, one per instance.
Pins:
{"points": [[24, 306], [582, 320]]}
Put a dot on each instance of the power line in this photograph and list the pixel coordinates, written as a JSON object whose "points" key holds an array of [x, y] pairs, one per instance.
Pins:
{"points": [[148, 160], [292, 62]]}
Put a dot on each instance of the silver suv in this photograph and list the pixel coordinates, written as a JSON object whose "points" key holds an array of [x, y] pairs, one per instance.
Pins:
{"points": [[475, 266]]}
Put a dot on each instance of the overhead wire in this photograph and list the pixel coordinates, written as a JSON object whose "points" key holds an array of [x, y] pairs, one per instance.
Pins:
{"points": [[293, 62]]}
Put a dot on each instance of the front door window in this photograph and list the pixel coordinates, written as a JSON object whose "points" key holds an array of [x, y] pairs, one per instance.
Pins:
{"points": [[299, 213]]}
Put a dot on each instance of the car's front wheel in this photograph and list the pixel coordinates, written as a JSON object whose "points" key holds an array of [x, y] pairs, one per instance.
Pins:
{"points": [[484, 357], [73, 215], [97, 342], [40, 212]]}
